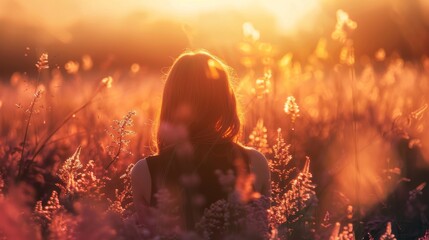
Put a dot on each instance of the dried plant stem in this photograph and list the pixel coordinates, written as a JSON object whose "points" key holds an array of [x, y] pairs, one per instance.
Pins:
{"points": [[41, 64], [119, 140], [81, 133], [121, 144], [66, 119], [31, 110], [105, 83], [292, 138], [355, 141]]}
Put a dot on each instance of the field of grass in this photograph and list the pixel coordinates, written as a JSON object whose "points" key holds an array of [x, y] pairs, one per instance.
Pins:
{"points": [[346, 138]]}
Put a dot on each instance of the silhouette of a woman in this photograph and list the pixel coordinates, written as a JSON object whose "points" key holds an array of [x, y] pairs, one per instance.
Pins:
{"points": [[197, 142]]}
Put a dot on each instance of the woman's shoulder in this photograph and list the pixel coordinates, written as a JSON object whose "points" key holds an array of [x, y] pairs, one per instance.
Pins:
{"points": [[257, 160], [140, 163], [255, 157], [142, 166], [254, 154], [259, 166], [141, 180]]}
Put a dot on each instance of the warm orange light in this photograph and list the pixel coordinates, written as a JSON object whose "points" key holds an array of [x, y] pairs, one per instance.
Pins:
{"points": [[288, 13], [135, 68], [59, 16]]}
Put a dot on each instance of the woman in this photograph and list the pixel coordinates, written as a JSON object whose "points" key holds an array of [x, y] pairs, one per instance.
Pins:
{"points": [[199, 160]]}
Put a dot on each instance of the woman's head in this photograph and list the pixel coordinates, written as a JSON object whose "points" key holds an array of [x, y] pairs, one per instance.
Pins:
{"points": [[198, 98]]}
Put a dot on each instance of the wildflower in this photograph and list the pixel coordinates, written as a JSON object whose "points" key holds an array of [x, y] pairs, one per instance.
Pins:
{"points": [[343, 21], [78, 179], [122, 198], [279, 180], [72, 67], [250, 32], [388, 235], [107, 82], [47, 212], [120, 132], [69, 172], [87, 62], [339, 34], [42, 63], [262, 87], [298, 197], [259, 138], [291, 108]]}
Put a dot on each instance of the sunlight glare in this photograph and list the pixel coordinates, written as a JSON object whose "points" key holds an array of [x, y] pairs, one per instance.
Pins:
{"points": [[288, 13]]}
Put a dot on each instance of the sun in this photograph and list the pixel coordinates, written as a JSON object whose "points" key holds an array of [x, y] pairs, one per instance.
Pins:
{"points": [[288, 13]]}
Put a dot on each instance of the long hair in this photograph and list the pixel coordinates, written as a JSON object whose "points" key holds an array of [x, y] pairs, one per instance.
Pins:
{"points": [[198, 99]]}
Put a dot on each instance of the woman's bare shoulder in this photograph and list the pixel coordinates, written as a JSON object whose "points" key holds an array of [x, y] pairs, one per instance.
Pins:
{"points": [[255, 156], [140, 167], [258, 162], [259, 167], [141, 182], [140, 174]]}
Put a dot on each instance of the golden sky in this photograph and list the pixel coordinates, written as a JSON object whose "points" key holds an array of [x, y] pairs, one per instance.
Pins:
{"points": [[56, 16], [154, 31]]}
